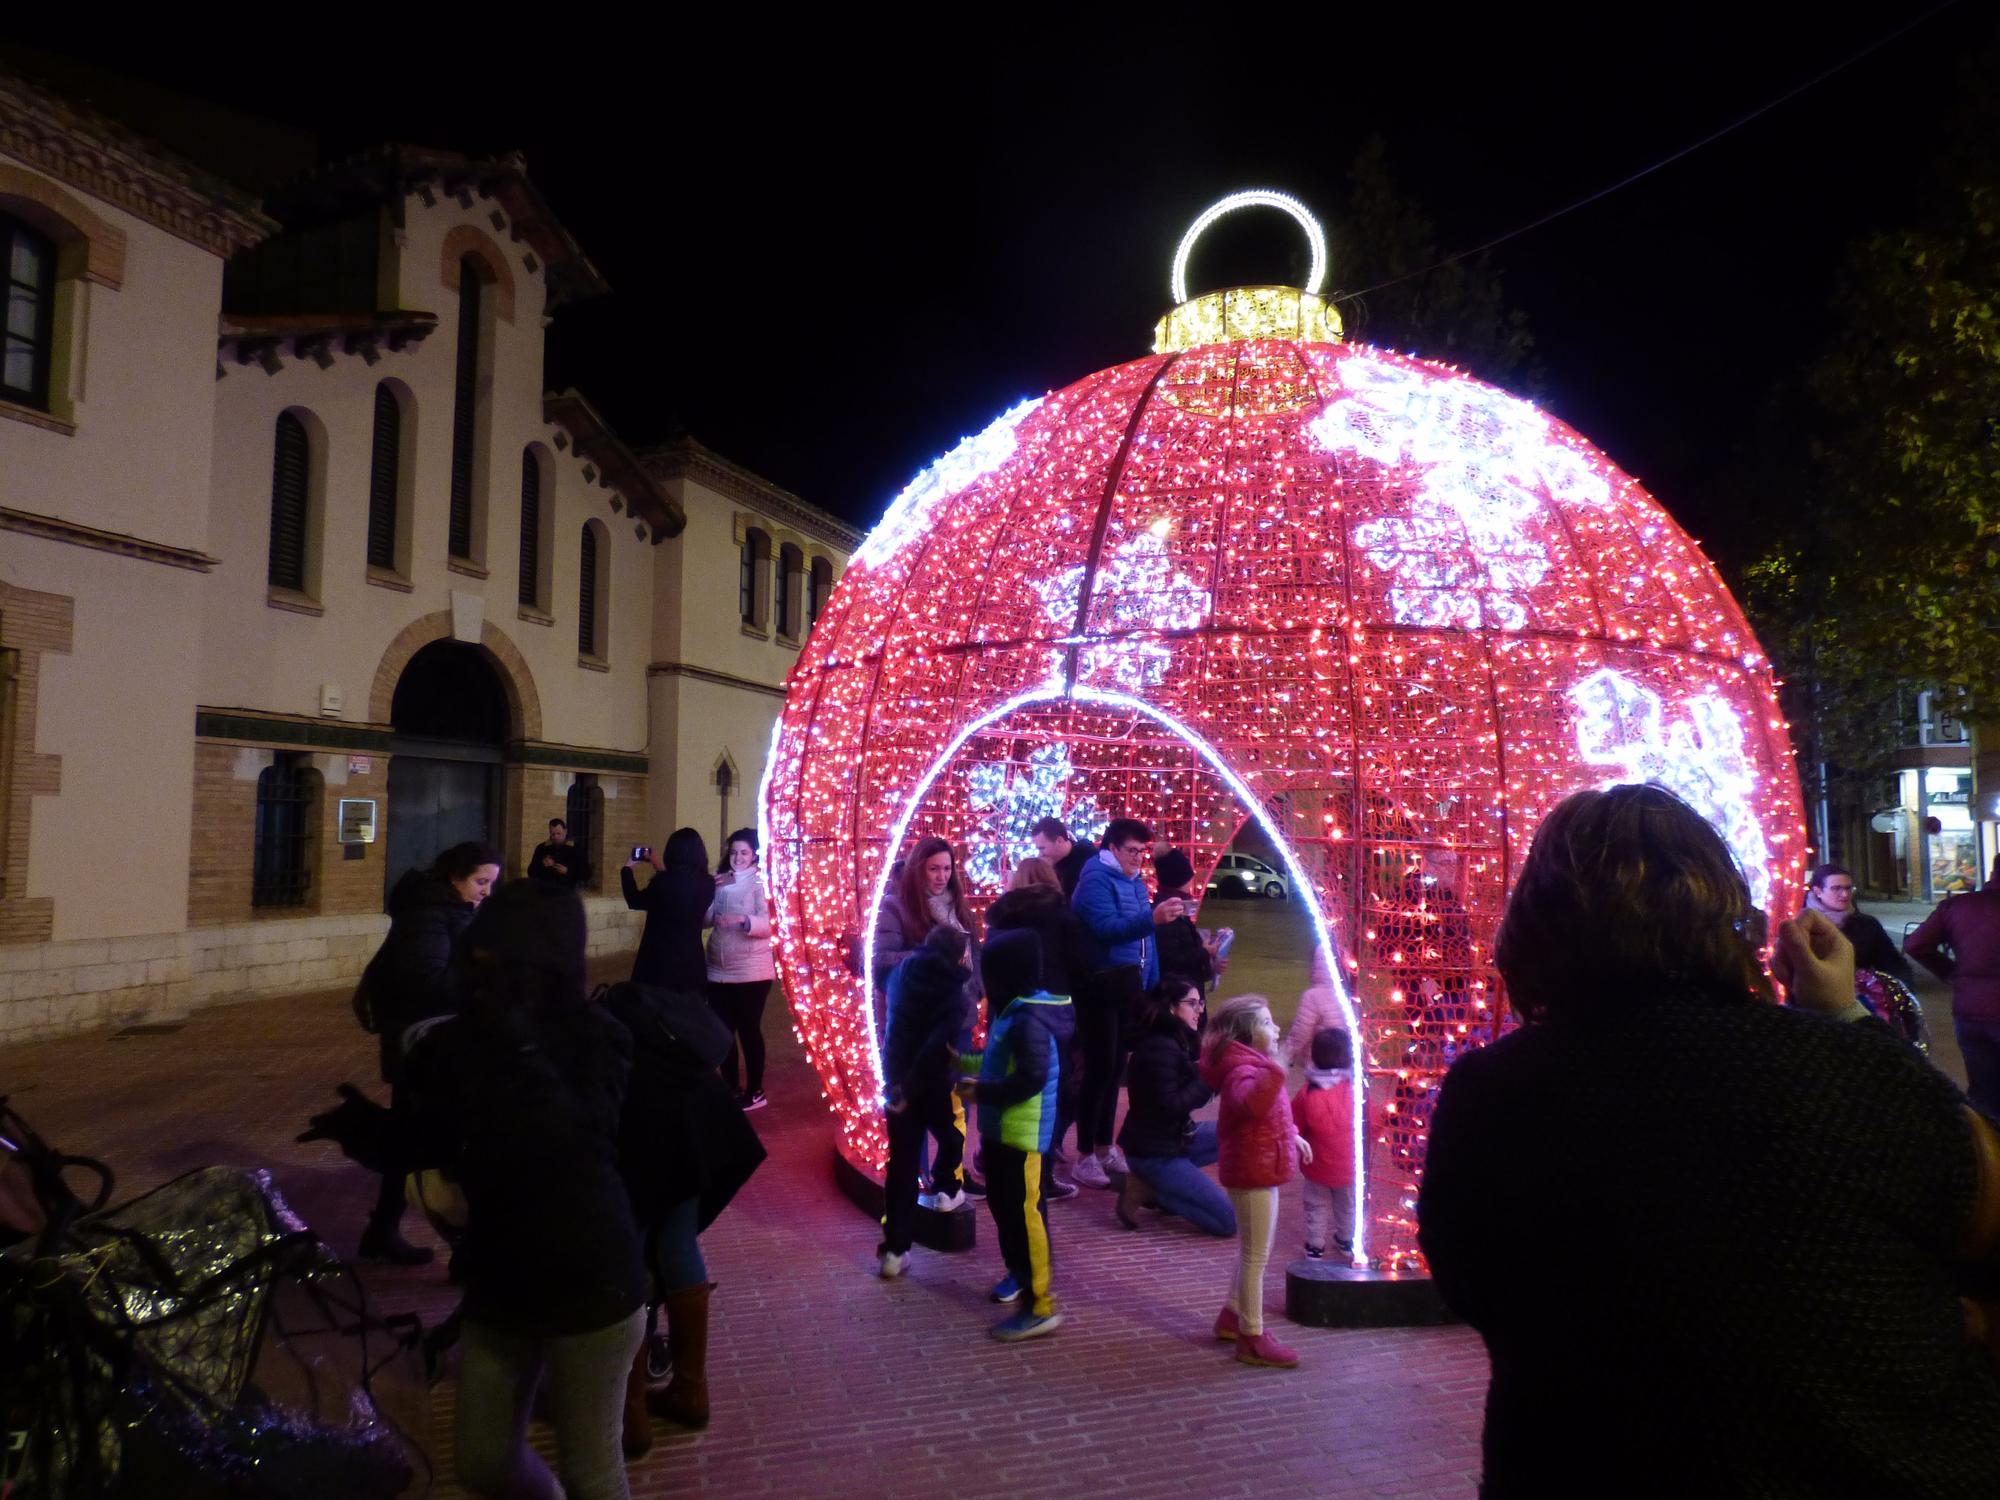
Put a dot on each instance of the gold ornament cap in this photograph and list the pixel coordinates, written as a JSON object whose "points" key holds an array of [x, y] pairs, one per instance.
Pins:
{"points": [[1249, 312]]}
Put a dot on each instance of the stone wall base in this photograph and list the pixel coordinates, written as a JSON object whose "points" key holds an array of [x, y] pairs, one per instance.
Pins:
{"points": [[58, 989]]}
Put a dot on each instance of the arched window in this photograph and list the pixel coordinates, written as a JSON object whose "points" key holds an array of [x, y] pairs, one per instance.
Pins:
{"points": [[28, 278], [819, 584], [291, 501], [753, 580], [593, 587], [287, 820], [791, 565], [472, 297], [385, 479], [530, 592]]}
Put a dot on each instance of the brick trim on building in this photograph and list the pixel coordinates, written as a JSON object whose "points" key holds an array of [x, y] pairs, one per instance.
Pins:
{"points": [[462, 240], [34, 624], [524, 704]]}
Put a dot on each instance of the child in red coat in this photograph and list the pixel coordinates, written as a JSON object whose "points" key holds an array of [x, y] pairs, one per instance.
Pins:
{"points": [[1324, 1113], [1257, 1151]]}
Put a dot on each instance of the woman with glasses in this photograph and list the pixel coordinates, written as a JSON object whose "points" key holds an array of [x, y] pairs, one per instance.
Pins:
{"points": [[1164, 1149]]}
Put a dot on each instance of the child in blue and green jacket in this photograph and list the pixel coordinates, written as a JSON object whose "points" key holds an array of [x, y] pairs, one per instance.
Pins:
{"points": [[1019, 1074]]}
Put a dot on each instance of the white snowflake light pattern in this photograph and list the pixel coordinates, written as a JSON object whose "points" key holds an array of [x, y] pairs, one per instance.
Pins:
{"points": [[974, 458], [1462, 555], [1147, 593], [1700, 759], [1009, 798]]}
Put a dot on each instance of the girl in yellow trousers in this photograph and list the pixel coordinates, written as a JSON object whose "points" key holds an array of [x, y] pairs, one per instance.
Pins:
{"points": [[1258, 1152]]}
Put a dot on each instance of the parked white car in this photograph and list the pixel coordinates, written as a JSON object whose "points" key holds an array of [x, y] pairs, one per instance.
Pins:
{"points": [[1241, 875]]}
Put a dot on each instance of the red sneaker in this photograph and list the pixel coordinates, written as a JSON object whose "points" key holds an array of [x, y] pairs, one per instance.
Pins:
{"points": [[1228, 1325], [1262, 1349]]}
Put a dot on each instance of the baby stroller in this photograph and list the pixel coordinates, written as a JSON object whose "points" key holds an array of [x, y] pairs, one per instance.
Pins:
{"points": [[197, 1341]]}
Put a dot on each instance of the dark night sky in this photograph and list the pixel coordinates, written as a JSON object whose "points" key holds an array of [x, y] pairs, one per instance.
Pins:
{"points": [[834, 252]]}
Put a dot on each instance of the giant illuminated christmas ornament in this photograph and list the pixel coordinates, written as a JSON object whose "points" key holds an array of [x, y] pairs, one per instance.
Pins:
{"points": [[1387, 611]]}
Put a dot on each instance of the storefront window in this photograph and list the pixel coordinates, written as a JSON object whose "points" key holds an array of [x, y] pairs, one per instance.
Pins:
{"points": [[1954, 847]]}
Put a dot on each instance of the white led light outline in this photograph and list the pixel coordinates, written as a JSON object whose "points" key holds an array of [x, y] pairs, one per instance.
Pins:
{"points": [[764, 801], [1252, 198], [1055, 692]]}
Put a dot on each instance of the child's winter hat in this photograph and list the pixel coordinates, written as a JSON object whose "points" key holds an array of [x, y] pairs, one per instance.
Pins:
{"points": [[946, 941], [1011, 966], [1332, 1048], [1173, 868]]}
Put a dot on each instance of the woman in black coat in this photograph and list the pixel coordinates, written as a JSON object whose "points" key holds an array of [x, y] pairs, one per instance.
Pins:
{"points": [[404, 984], [685, 1148], [676, 902], [1034, 900], [1183, 950], [531, 1081], [1163, 1147]]}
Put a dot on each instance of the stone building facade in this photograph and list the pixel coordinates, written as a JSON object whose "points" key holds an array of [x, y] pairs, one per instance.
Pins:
{"points": [[304, 574]]}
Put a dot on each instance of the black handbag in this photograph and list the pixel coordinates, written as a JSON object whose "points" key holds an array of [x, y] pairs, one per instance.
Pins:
{"points": [[687, 1019]]}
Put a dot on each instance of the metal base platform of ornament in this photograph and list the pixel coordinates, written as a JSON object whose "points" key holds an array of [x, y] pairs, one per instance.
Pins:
{"points": [[1327, 1294], [950, 1232]]}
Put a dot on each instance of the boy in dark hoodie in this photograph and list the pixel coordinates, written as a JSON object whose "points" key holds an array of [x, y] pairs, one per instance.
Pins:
{"points": [[1020, 1073], [928, 1017]]}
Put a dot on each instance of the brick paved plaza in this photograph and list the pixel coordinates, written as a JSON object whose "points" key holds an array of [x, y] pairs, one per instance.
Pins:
{"points": [[826, 1380]]}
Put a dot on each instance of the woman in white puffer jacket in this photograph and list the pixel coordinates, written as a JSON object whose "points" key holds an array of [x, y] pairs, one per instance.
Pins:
{"points": [[739, 961]]}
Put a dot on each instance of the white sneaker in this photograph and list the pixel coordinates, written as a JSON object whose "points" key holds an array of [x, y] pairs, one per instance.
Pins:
{"points": [[1115, 1162], [891, 1265], [942, 1203], [1089, 1172]]}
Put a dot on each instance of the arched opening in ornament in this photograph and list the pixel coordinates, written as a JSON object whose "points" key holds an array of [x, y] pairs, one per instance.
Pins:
{"points": [[1087, 756]]}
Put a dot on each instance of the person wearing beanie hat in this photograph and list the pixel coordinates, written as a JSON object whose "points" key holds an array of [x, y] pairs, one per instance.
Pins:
{"points": [[1183, 952], [1016, 1090], [929, 1018]]}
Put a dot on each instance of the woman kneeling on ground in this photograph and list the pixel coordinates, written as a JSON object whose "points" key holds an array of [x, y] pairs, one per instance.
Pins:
{"points": [[1164, 1149]]}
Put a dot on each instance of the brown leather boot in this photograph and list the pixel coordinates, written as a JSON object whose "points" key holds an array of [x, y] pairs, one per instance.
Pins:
{"points": [[1130, 1195], [685, 1400], [638, 1437]]}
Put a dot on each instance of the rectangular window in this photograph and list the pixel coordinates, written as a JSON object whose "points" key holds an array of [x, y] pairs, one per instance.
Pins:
{"points": [[27, 280], [586, 592], [286, 805], [385, 467], [465, 407], [530, 591], [291, 479], [746, 584]]}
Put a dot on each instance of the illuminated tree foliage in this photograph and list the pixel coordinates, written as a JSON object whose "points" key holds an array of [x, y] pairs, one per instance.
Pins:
{"points": [[1887, 580], [1457, 313]]}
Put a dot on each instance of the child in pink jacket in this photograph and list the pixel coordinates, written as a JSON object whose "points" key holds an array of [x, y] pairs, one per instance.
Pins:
{"points": [[1324, 1113], [1257, 1153]]}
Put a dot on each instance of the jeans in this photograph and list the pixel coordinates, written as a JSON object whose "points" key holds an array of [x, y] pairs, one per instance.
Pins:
{"points": [[673, 1249], [1329, 1211], [1979, 1045], [1183, 1188], [742, 1007], [1100, 1028], [497, 1376], [1256, 1227]]}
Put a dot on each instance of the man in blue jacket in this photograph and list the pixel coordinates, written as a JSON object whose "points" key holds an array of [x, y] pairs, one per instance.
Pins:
{"points": [[1118, 913]]}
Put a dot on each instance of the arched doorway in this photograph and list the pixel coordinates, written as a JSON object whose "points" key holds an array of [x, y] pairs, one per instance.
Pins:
{"points": [[451, 726]]}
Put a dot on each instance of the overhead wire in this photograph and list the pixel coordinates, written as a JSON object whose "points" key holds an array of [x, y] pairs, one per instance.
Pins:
{"points": [[1665, 161]]}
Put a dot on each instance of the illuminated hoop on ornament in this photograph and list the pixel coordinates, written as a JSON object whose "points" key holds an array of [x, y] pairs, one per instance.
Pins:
{"points": [[1252, 198]]}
